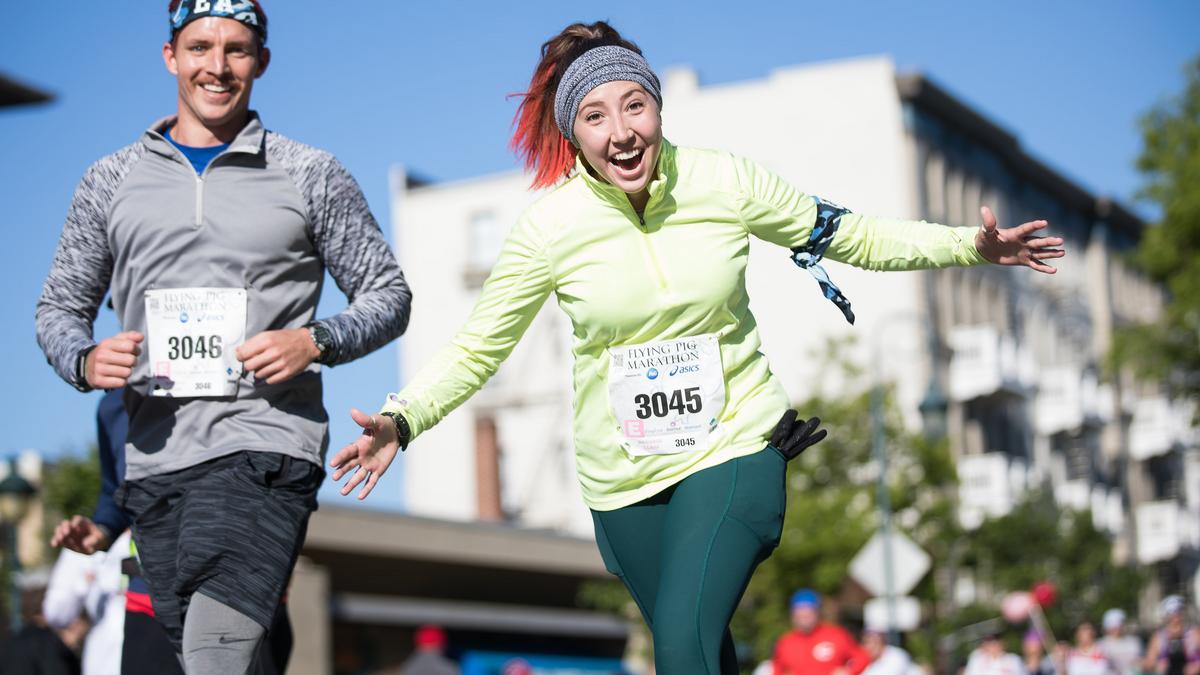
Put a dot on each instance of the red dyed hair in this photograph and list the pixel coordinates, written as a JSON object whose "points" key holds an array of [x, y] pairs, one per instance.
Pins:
{"points": [[536, 138]]}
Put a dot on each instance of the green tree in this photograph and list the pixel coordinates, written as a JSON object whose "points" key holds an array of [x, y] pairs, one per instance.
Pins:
{"points": [[1169, 252], [71, 486], [1037, 541], [831, 510], [831, 513]]}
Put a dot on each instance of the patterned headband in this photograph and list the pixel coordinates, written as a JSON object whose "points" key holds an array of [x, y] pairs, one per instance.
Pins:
{"points": [[245, 11]]}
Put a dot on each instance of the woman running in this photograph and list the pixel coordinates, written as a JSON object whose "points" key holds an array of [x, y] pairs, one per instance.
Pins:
{"points": [[645, 245]]}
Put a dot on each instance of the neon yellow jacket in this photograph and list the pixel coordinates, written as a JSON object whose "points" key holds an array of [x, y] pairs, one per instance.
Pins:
{"points": [[677, 272]]}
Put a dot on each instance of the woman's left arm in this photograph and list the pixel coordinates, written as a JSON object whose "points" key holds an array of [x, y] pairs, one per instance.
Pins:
{"points": [[893, 245], [775, 211]]}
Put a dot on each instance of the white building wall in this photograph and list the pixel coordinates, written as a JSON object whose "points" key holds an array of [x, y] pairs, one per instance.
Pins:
{"points": [[833, 130], [447, 236]]}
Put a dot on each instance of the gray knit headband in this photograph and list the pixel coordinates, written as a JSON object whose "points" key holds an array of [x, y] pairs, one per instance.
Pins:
{"points": [[593, 68]]}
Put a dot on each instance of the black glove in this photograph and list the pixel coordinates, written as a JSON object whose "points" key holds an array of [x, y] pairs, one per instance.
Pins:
{"points": [[792, 436]]}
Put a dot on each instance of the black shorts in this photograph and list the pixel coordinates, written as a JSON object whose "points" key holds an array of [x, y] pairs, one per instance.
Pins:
{"points": [[230, 528]]}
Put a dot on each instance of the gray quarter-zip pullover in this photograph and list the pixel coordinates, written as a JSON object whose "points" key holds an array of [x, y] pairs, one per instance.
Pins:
{"points": [[268, 215]]}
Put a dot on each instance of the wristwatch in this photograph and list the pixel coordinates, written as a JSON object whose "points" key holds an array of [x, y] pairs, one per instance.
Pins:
{"points": [[403, 432], [322, 339]]}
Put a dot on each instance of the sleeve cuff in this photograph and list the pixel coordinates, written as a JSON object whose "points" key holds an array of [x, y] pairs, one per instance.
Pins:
{"points": [[973, 256], [398, 404], [80, 373]]}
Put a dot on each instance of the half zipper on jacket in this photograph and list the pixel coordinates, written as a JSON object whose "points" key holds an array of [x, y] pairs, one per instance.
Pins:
{"points": [[656, 263], [616, 196], [244, 143], [178, 156], [639, 221], [199, 201], [652, 253], [200, 187]]}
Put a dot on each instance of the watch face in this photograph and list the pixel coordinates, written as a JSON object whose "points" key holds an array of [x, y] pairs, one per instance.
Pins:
{"points": [[321, 338]]}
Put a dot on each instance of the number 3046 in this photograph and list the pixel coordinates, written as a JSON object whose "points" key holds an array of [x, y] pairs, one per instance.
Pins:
{"points": [[188, 347]]}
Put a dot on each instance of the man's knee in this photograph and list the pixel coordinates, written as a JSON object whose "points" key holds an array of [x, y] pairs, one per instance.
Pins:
{"points": [[218, 638]]}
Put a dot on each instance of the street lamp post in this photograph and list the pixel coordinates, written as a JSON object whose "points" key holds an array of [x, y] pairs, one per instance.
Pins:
{"points": [[934, 406], [15, 495], [884, 500], [933, 418]]}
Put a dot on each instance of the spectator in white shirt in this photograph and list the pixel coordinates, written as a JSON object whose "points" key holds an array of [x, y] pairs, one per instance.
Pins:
{"points": [[1123, 650], [991, 659], [1087, 658], [886, 659]]}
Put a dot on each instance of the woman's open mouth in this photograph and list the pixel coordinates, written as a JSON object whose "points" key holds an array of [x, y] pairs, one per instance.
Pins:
{"points": [[629, 161]]}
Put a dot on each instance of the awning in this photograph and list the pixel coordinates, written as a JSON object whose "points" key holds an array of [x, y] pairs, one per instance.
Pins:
{"points": [[399, 611]]}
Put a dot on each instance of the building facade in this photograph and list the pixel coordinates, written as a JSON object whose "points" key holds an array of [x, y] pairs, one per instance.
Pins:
{"points": [[1017, 356]]}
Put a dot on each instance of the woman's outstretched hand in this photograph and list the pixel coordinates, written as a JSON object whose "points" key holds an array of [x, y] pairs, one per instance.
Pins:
{"points": [[1017, 245], [368, 457]]}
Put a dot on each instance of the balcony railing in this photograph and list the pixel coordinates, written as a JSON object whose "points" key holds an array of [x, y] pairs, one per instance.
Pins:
{"points": [[1164, 530], [986, 362]]}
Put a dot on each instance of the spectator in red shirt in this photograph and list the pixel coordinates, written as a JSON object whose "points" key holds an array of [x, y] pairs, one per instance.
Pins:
{"points": [[815, 647]]}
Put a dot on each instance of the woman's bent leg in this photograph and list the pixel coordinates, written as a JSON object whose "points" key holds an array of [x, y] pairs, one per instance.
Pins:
{"points": [[721, 523], [630, 541]]}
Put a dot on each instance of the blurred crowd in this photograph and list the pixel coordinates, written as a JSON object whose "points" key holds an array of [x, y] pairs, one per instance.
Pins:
{"points": [[73, 626], [816, 646]]}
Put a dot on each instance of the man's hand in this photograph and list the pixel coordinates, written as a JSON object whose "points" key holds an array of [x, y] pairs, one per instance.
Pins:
{"points": [[368, 456], [278, 355], [792, 436], [81, 535], [110, 364]]}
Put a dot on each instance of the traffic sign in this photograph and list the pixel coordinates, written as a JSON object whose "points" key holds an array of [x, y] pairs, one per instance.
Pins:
{"points": [[908, 614], [909, 564]]}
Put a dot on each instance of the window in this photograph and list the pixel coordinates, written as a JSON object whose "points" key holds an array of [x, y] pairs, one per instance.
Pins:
{"points": [[484, 239], [1000, 424]]}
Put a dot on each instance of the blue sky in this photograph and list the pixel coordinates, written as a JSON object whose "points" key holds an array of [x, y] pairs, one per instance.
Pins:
{"points": [[425, 84]]}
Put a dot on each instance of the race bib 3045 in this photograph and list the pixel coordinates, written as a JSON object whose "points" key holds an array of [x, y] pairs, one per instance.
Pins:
{"points": [[667, 396]]}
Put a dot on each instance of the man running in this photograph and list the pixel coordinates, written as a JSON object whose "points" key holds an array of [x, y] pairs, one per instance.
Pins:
{"points": [[214, 235]]}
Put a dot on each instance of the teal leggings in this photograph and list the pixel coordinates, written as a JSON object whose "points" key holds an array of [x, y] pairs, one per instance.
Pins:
{"points": [[686, 555]]}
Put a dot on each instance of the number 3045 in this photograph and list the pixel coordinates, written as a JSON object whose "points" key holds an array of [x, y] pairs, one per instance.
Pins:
{"points": [[660, 404]]}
